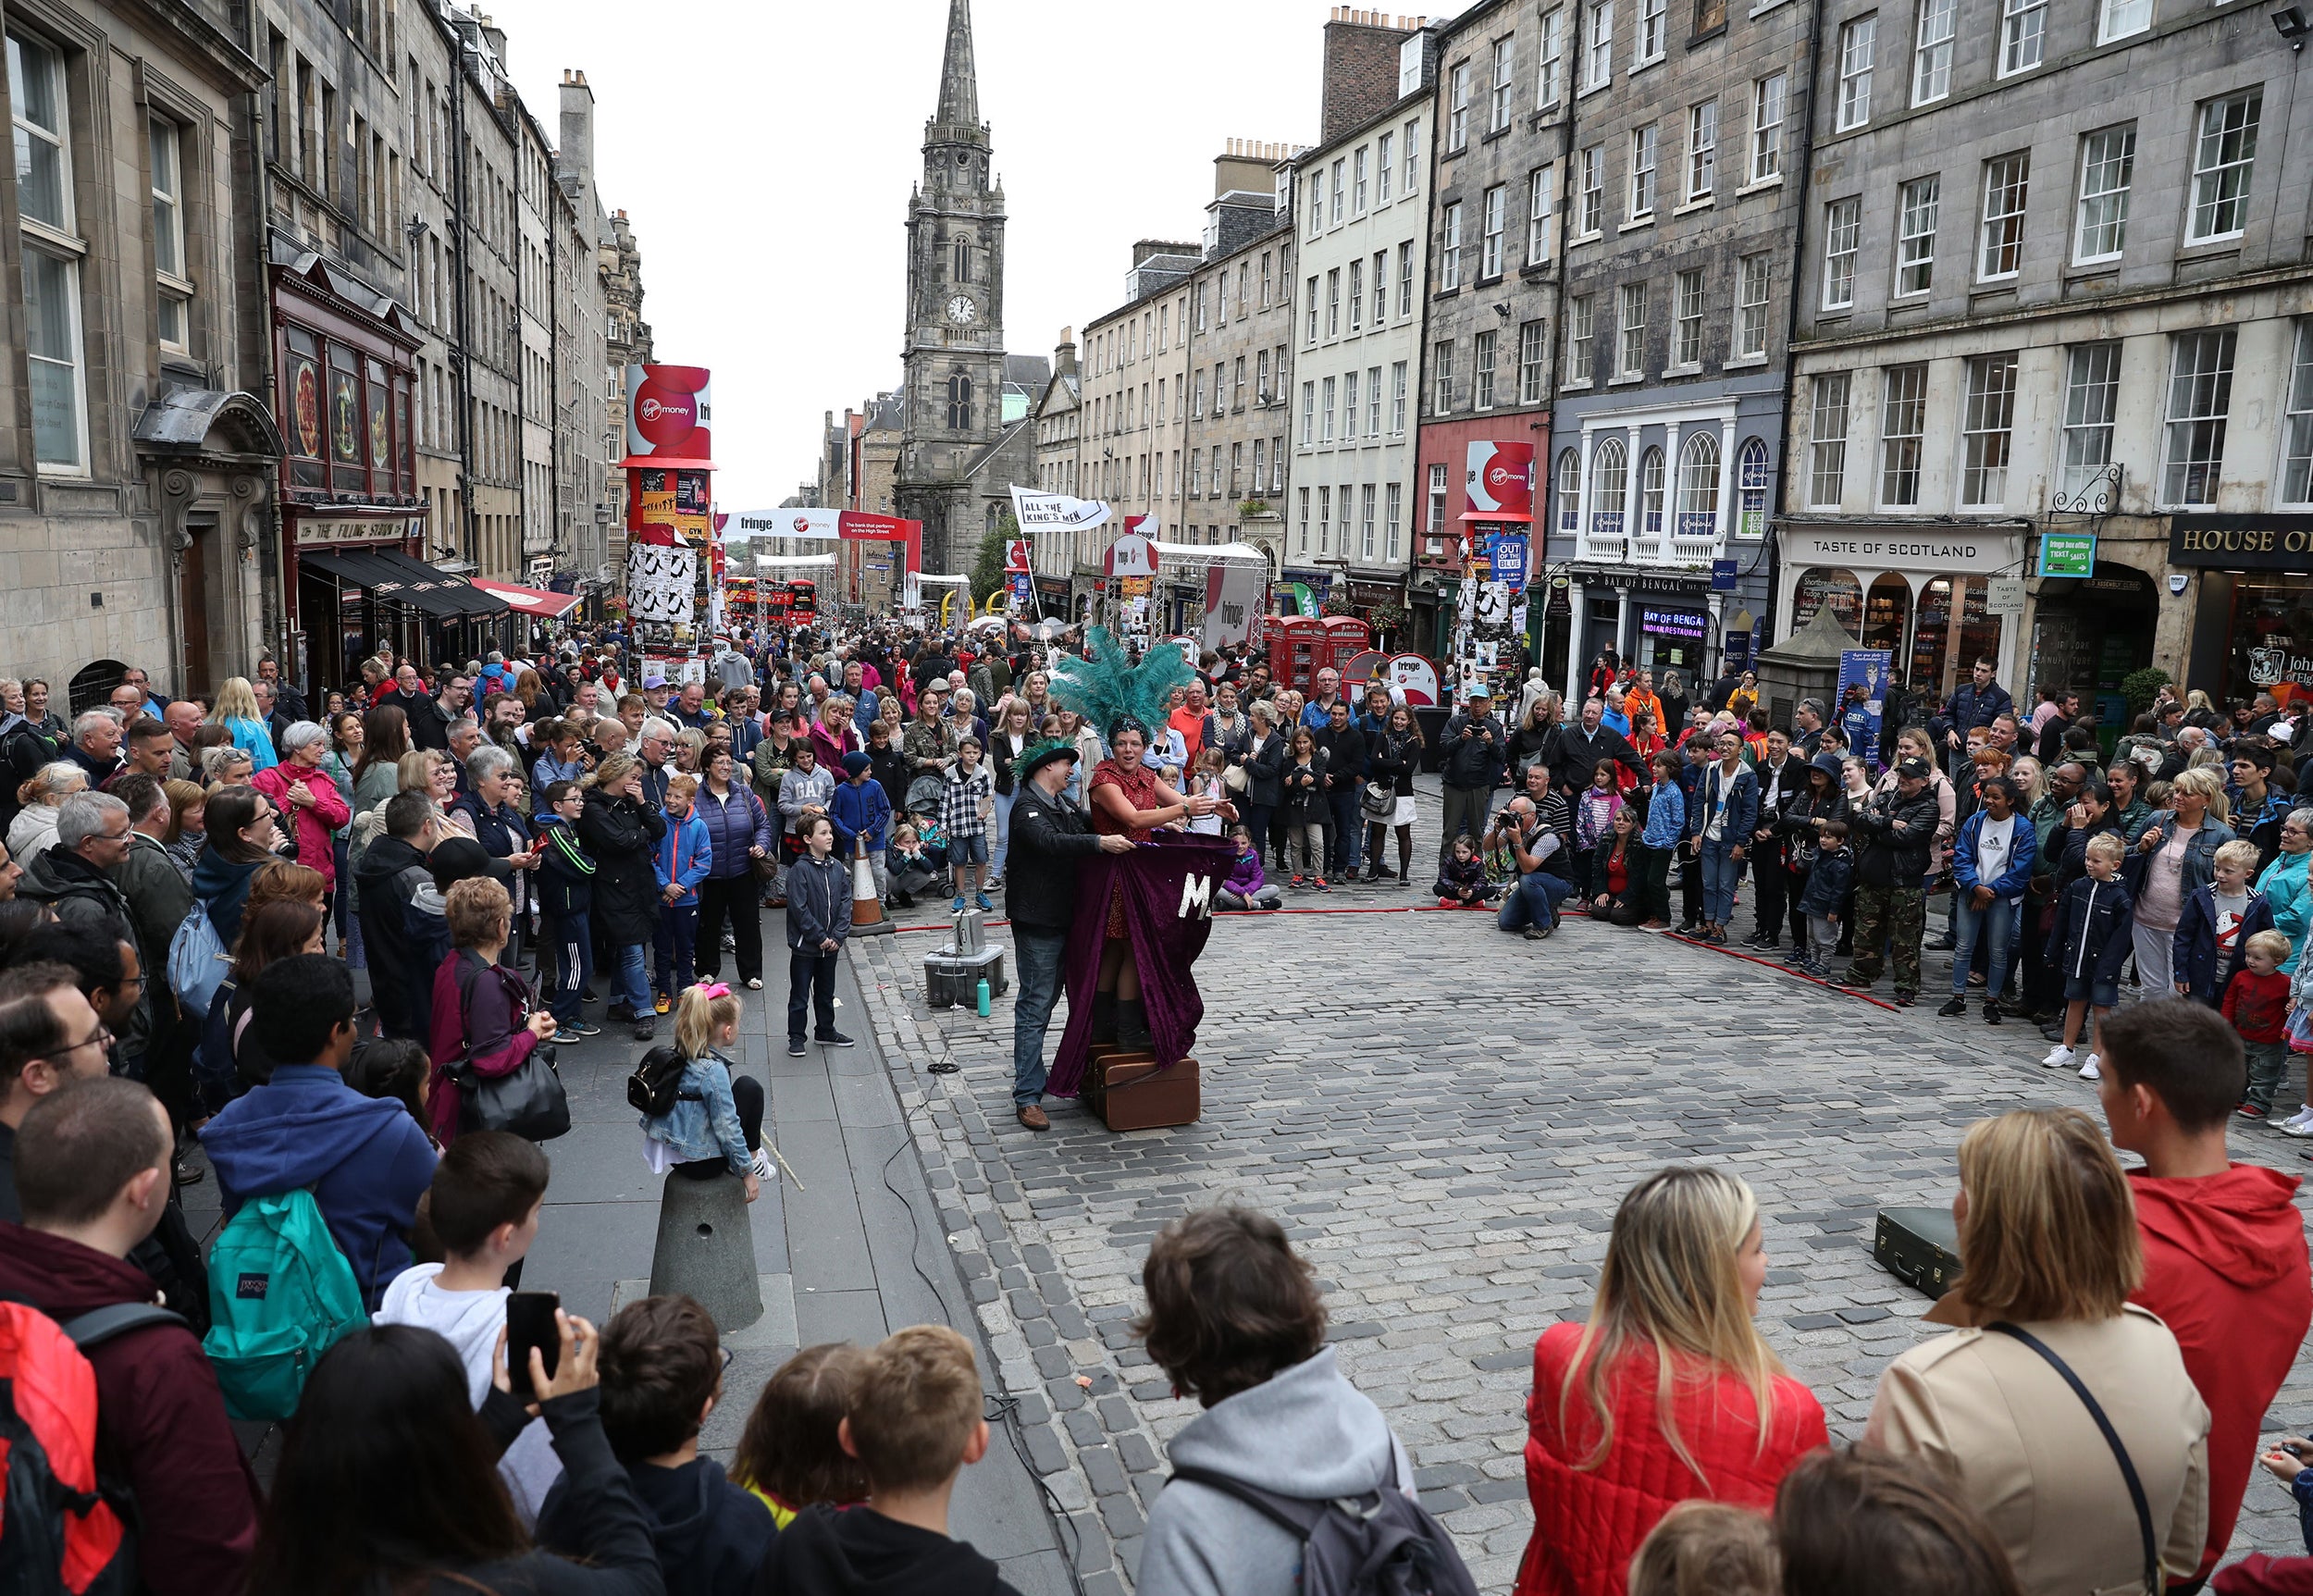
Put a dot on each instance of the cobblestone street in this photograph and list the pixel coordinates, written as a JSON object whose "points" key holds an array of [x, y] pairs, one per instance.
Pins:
{"points": [[1446, 1118]]}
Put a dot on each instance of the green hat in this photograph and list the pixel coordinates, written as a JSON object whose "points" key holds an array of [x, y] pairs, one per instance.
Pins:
{"points": [[1035, 756]]}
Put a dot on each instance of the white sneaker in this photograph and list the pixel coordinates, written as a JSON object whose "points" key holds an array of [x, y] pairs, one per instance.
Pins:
{"points": [[761, 1165], [2059, 1055], [2303, 1116], [2301, 1126], [2089, 1072]]}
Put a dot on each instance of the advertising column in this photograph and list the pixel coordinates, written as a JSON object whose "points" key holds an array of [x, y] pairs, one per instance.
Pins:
{"points": [[670, 530], [1490, 614]]}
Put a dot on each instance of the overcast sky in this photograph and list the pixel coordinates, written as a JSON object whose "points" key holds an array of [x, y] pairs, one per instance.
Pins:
{"points": [[765, 154]]}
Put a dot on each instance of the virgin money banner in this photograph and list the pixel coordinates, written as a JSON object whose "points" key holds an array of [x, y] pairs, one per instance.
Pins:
{"points": [[1500, 482], [669, 417], [1035, 511], [1232, 603], [753, 523]]}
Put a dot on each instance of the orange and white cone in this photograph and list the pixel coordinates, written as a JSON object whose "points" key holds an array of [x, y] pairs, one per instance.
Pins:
{"points": [[867, 907]]}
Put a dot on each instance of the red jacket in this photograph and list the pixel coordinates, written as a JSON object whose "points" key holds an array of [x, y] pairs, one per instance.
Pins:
{"points": [[2257, 1575], [2225, 1268], [158, 1413], [1588, 1523], [314, 824]]}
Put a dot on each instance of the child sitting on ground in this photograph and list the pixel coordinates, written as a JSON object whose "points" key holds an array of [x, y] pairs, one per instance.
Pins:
{"points": [[913, 867], [914, 1422], [2092, 938], [2256, 1006], [483, 1206], [717, 1121], [1462, 884], [1247, 886], [661, 1374], [791, 1453]]}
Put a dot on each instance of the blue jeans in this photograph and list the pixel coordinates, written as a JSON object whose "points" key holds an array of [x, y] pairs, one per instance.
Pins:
{"points": [[630, 986], [1039, 955], [677, 946], [1721, 871], [1996, 923], [1349, 831], [811, 986], [569, 946], [1534, 901], [1002, 830]]}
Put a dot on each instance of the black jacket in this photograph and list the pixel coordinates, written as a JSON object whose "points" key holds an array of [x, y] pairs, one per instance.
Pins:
{"points": [[1264, 771], [1897, 835], [429, 729], [608, 1527], [1344, 757], [566, 872], [2092, 938], [406, 932], [623, 837], [710, 1534], [889, 767], [1393, 757], [1579, 753], [1474, 762], [1305, 800], [1793, 782], [860, 1552], [1048, 836]]}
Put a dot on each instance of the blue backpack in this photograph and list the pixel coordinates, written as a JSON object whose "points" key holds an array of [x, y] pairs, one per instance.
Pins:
{"points": [[281, 1294], [198, 960]]}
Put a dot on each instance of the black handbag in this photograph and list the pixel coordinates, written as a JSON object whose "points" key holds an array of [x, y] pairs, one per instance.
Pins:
{"points": [[528, 1100]]}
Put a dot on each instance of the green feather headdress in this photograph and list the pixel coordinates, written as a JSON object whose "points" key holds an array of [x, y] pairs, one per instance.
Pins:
{"points": [[1108, 688]]}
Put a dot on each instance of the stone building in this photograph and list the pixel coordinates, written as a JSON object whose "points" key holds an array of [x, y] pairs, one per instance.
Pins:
{"points": [[490, 225], [2053, 284], [1491, 361], [538, 200], [584, 453], [1240, 351], [136, 443], [627, 342], [958, 455], [1360, 207], [1681, 195], [1136, 402], [1058, 425]]}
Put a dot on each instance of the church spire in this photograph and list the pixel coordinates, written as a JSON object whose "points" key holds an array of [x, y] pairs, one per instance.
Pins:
{"points": [[959, 87]]}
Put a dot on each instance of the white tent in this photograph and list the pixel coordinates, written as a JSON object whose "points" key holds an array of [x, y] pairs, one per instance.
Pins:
{"points": [[1184, 555], [820, 560]]}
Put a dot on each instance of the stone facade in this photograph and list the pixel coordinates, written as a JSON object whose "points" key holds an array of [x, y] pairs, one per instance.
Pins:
{"points": [[584, 453], [1683, 191], [1490, 357], [2053, 279], [627, 342], [1360, 207], [135, 441], [1136, 402]]}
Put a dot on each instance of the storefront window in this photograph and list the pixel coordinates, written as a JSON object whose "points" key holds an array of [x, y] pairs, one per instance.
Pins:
{"points": [[1884, 613], [2272, 639], [1931, 637], [347, 417], [1671, 637], [1820, 586], [301, 404]]}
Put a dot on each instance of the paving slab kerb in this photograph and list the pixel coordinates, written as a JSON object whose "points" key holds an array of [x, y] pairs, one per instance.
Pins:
{"points": [[1444, 1117]]}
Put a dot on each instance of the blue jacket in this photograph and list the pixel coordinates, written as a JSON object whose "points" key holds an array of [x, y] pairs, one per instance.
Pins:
{"points": [[1741, 792], [733, 828], [2020, 851], [684, 856], [1828, 881], [818, 902], [2092, 936], [859, 809], [704, 1122], [1667, 818], [2194, 948], [251, 739], [365, 1158], [2284, 887], [548, 770]]}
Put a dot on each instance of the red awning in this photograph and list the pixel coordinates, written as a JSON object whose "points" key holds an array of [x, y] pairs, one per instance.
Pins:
{"points": [[530, 600]]}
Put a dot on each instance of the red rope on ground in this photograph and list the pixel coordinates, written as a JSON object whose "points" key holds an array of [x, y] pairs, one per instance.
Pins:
{"points": [[1785, 969]]}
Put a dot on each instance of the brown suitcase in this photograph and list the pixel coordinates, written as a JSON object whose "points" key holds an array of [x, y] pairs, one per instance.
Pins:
{"points": [[1127, 1091]]}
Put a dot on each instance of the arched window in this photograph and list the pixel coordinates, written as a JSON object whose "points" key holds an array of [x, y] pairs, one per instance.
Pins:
{"points": [[1699, 485], [963, 259], [1750, 477], [1569, 491], [960, 404], [1610, 479], [1650, 493]]}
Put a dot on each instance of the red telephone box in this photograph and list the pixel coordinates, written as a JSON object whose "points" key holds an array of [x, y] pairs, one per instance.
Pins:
{"points": [[1345, 636], [1297, 650]]}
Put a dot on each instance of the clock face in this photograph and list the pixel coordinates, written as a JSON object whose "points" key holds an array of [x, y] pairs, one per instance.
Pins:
{"points": [[962, 311]]}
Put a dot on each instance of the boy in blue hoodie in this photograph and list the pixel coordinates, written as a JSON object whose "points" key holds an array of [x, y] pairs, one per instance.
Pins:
{"points": [[860, 808], [1828, 882], [365, 1159], [685, 857], [2093, 936], [565, 902]]}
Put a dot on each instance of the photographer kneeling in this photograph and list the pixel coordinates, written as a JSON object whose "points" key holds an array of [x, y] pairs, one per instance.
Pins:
{"points": [[1532, 903]]}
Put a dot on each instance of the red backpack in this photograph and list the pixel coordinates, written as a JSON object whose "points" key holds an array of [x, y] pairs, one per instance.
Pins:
{"points": [[64, 1527]]}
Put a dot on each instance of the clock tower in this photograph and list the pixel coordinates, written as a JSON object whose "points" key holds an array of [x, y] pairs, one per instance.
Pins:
{"points": [[952, 474]]}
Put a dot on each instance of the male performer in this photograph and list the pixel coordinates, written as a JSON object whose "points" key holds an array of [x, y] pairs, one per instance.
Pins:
{"points": [[1049, 835]]}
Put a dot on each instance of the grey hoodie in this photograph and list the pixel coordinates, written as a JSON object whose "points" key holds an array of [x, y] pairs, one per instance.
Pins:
{"points": [[1306, 1432]]}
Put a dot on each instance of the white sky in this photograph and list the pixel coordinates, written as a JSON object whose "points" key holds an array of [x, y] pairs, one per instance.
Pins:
{"points": [[765, 154]]}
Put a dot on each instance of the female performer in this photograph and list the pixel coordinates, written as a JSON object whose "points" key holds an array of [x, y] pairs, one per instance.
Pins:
{"points": [[1128, 800]]}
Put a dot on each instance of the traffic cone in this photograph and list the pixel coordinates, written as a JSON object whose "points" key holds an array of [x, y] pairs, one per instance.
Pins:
{"points": [[867, 907]]}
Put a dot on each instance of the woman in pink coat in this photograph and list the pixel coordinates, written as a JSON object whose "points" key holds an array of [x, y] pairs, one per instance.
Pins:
{"points": [[310, 806]]}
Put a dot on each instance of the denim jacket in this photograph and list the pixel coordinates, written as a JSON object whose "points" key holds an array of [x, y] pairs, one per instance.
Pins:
{"points": [[704, 1122]]}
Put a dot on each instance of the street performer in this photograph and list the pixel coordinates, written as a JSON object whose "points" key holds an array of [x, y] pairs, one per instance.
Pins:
{"points": [[1049, 836]]}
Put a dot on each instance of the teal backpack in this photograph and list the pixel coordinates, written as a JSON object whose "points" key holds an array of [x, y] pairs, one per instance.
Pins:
{"points": [[281, 1294]]}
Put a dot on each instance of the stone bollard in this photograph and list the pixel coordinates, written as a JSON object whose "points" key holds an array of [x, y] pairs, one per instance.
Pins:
{"points": [[705, 1248]]}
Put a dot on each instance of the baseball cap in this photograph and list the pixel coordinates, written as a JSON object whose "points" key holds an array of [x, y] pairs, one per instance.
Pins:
{"points": [[653, 680], [1915, 767]]}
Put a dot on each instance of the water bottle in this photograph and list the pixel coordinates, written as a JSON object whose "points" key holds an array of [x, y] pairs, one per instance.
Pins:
{"points": [[980, 998]]}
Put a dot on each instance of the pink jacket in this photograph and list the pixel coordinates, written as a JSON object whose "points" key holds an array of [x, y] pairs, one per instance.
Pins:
{"points": [[829, 749], [314, 825]]}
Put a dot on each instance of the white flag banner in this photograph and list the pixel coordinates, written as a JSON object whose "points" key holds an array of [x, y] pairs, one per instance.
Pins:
{"points": [[660, 584], [1037, 511]]}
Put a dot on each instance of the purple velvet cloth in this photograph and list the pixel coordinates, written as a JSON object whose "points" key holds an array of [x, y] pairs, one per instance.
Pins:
{"points": [[1168, 886]]}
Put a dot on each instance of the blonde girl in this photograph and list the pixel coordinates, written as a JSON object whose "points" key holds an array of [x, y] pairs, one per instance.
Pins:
{"points": [[236, 710], [717, 1120]]}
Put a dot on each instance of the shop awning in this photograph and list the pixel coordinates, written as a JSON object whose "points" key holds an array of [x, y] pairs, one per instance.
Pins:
{"points": [[531, 602], [391, 574]]}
